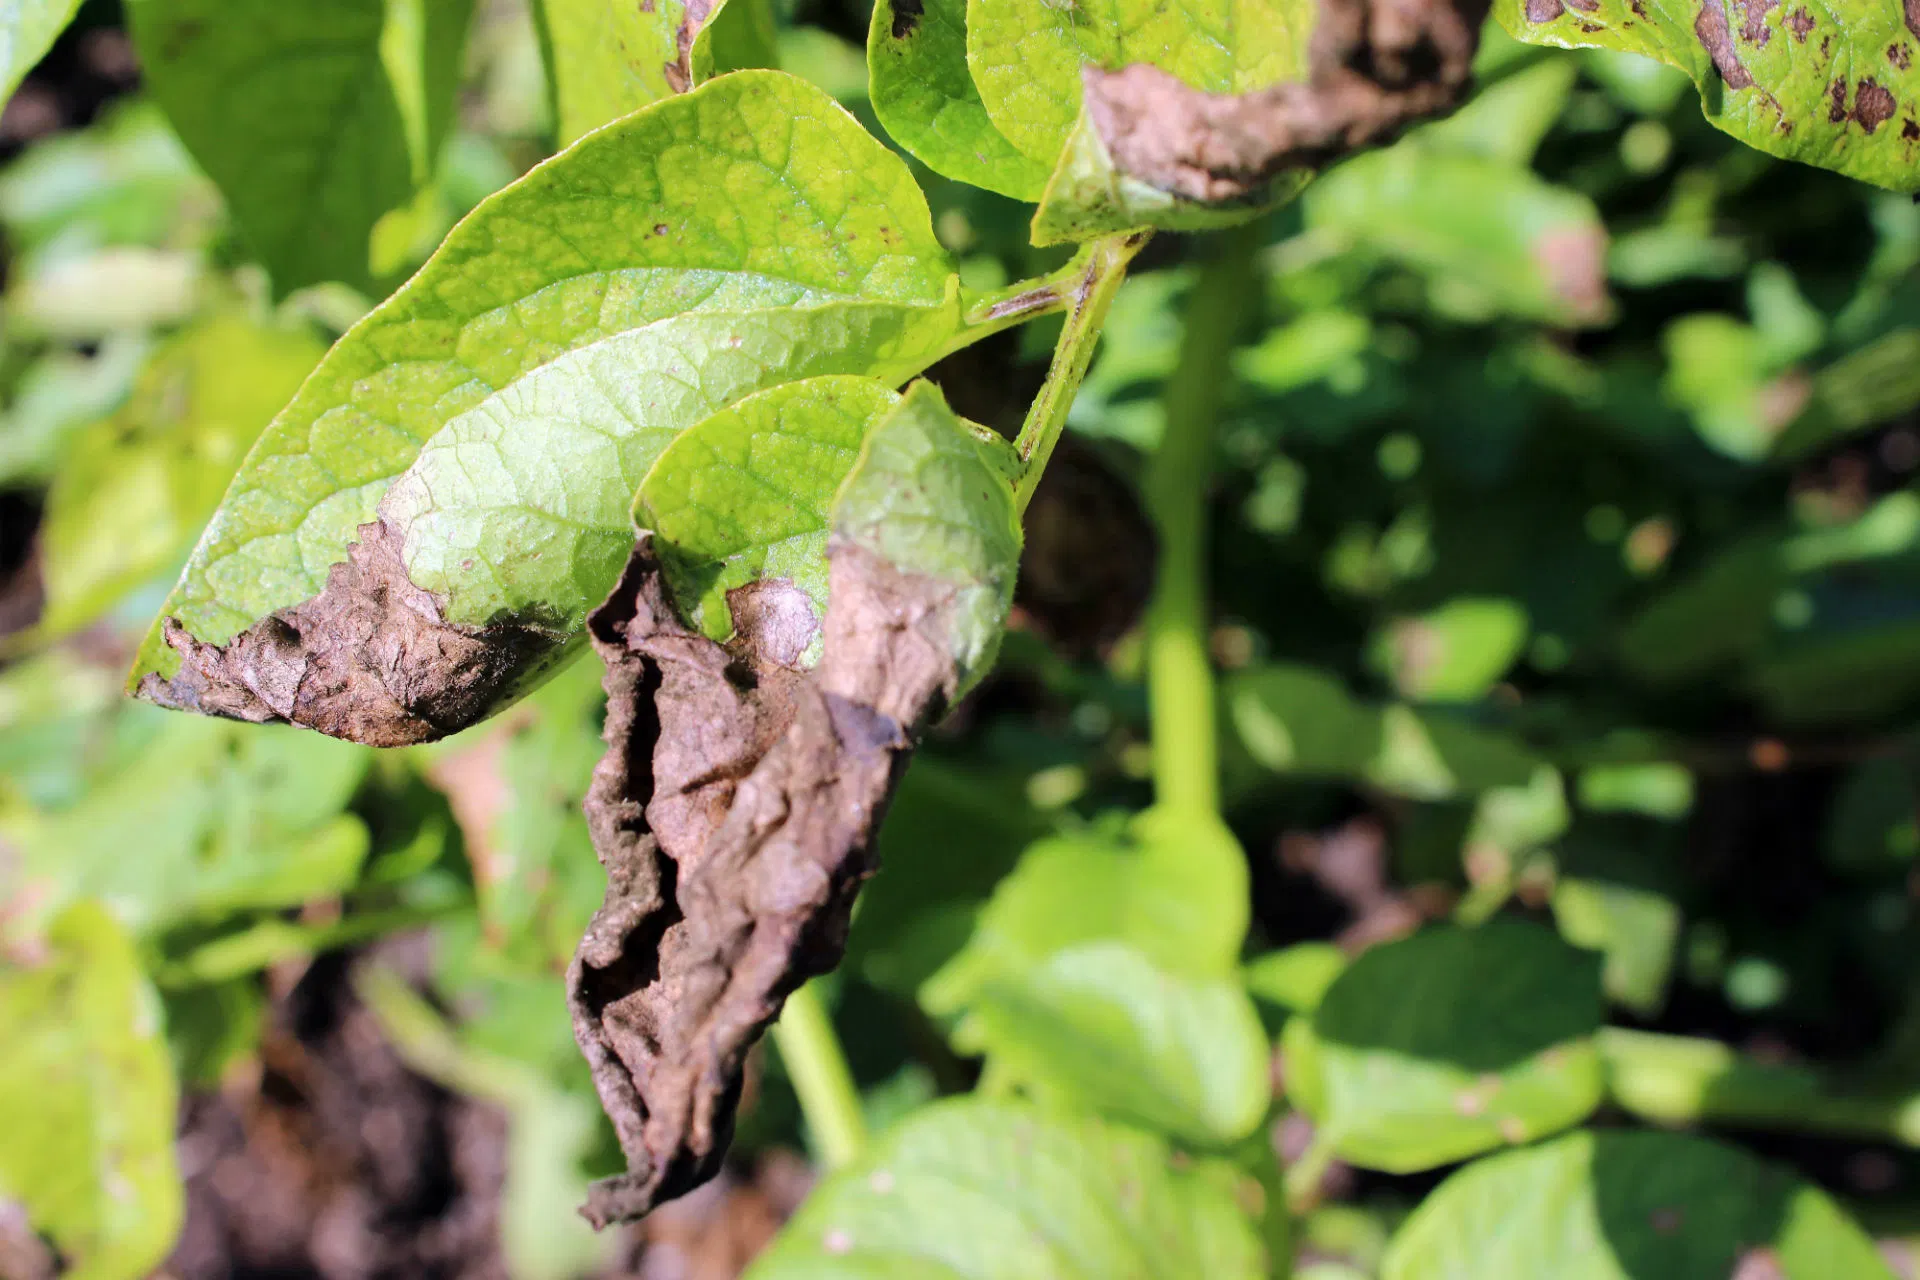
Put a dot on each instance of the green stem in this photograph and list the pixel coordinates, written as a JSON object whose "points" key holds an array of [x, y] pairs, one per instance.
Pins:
{"points": [[1097, 272], [828, 1099], [1180, 694], [1679, 1080]]}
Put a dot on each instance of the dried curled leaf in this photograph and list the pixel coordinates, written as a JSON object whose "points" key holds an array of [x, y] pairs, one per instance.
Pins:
{"points": [[734, 811], [1151, 149]]}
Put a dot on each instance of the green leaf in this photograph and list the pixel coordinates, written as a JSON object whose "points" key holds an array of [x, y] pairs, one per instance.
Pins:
{"points": [[139, 484], [498, 413], [1099, 1026], [976, 1188], [1632, 926], [747, 494], [87, 1100], [1301, 720], [28, 29], [605, 60], [1492, 238], [1175, 890], [210, 818], [1831, 85], [950, 835], [932, 495], [1449, 1043], [1454, 653], [926, 99], [315, 122], [1295, 979], [1627, 1206]]}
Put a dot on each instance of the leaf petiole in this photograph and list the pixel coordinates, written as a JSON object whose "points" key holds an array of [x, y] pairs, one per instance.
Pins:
{"points": [[815, 1063], [1092, 278]]}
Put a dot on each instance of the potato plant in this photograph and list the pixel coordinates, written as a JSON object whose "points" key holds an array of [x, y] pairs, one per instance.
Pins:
{"points": [[1262, 789]]}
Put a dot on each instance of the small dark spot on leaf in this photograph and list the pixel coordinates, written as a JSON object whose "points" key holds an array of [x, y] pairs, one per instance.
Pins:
{"points": [[646, 6], [659, 228], [1639, 8], [1591, 28], [1837, 102], [1911, 10], [1584, 6], [1826, 47], [1873, 104], [1755, 30], [1544, 10], [1909, 129], [1900, 55], [1665, 1221], [906, 17], [1800, 22]]}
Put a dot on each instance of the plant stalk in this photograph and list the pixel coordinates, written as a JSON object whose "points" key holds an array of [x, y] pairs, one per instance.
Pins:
{"points": [[1180, 690], [1103, 266], [818, 1068]]}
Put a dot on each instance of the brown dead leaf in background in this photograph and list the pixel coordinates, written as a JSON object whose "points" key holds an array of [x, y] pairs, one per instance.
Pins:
{"points": [[734, 812]]}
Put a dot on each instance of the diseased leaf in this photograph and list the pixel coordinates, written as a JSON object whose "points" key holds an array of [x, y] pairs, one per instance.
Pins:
{"points": [[1830, 85], [924, 94], [1623, 1205], [970, 1187], [141, 482], [747, 495], [314, 122], [28, 29], [736, 808], [1027, 56], [482, 433], [87, 1100], [1193, 116], [1098, 1026], [1449, 1043]]}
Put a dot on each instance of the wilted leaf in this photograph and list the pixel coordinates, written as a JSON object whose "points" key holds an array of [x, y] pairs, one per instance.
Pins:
{"points": [[315, 122], [1831, 86], [735, 816], [485, 429], [87, 1100], [1624, 1206], [971, 1187], [1449, 1043]]}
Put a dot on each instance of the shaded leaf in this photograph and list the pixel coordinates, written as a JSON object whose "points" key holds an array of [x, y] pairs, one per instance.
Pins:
{"points": [[971, 1187], [1449, 1043], [1626, 1206], [87, 1099], [315, 123]]}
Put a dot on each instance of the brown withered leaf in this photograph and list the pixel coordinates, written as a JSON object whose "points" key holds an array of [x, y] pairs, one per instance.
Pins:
{"points": [[734, 812], [371, 659], [1375, 67]]}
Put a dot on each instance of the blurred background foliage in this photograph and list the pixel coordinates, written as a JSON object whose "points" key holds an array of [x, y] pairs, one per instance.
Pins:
{"points": [[1566, 566]]}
